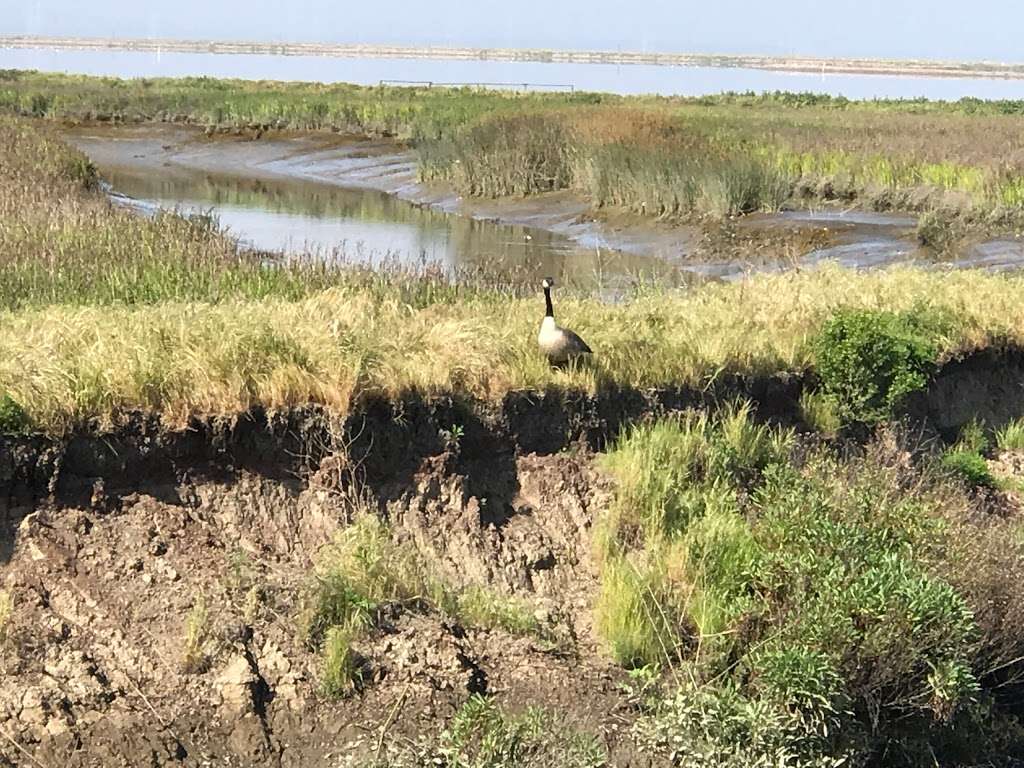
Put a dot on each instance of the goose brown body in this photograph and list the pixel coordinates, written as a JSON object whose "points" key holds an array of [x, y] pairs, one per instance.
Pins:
{"points": [[559, 344]]}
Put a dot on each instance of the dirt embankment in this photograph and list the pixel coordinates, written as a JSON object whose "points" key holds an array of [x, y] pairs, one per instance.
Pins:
{"points": [[109, 540]]}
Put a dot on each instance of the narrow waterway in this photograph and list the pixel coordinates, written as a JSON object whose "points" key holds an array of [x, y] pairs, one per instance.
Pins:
{"points": [[358, 201]]}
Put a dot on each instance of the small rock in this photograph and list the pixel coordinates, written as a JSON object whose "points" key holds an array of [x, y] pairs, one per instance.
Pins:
{"points": [[235, 685]]}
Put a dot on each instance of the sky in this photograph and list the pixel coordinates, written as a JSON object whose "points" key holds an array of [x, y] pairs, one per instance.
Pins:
{"points": [[937, 29]]}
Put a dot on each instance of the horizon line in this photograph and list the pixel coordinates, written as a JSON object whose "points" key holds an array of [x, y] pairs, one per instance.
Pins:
{"points": [[778, 63]]}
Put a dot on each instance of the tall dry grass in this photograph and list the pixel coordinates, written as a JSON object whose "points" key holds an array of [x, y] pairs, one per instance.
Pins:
{"points": [[64, 363]]}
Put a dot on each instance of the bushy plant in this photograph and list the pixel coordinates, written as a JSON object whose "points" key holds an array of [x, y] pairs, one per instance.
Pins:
{"points": [[869, 361], [969, 467], [13, 419], [718, 726]]}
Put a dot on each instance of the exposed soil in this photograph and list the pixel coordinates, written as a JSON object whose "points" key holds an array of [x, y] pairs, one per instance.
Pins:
{"points": [[102, 589], [110, 537]]}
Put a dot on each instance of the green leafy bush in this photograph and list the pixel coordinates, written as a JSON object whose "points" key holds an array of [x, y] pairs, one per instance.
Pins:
{"points": [[721, 727], [869, 361], [13, 419], [970, 467], [812, 589]]}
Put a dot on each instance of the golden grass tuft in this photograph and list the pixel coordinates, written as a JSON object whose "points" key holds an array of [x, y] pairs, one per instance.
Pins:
{"points": [[63, 364]]}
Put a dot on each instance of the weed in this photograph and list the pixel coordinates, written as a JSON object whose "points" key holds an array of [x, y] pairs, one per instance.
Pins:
{"points": [[6, 612], [973, 438], [13, 419], [820, 412], [360, 570], [1011, 436], [340, 663], [965, 460], [481, 607], [482, 736], [195, 655], [969, 467]]}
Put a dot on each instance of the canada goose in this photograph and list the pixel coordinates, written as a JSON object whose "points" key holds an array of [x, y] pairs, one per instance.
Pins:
{"points": [[559, 344]]}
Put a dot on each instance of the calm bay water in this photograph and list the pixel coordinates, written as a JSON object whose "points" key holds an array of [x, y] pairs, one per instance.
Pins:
{"points": [[687, 81]]}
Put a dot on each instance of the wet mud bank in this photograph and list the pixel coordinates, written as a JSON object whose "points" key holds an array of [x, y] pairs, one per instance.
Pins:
{"points": [[663, 250]]}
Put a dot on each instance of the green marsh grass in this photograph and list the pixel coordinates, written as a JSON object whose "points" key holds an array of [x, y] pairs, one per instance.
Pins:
{"points": [[669, 157], [1011, 436], [821, 593]]}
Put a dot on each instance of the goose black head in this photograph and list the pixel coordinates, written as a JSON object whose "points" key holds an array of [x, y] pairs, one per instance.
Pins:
{"points": [[548, 282]]}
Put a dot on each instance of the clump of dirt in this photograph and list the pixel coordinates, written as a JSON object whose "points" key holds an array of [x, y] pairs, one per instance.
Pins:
{"points": [[156, 622], [727, 240]]}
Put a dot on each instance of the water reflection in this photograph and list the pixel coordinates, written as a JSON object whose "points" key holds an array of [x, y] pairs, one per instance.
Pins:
{"points": [[367, 226]]}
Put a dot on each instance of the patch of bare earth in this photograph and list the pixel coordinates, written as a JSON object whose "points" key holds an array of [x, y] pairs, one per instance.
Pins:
{"points": [[160, 626]]}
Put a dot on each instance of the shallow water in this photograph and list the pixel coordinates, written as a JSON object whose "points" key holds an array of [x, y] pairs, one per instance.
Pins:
{"points": [[632, 79], [358, 201], [368, 226]]}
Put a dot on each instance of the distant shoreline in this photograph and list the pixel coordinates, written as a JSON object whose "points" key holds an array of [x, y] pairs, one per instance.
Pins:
{"points": [[796, 64]]}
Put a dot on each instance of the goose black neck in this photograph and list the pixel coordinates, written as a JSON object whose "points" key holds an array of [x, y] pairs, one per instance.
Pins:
{"points": [[547, 302]]}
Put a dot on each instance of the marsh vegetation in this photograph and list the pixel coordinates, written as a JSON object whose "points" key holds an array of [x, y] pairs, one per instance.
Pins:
{"points": [[659, 157], [836, 586]]}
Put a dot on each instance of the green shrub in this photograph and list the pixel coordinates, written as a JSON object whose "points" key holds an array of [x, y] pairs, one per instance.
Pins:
{"points": [[969, 467], [847, 560], [13, 419], [869, 361], [718, 726]]}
